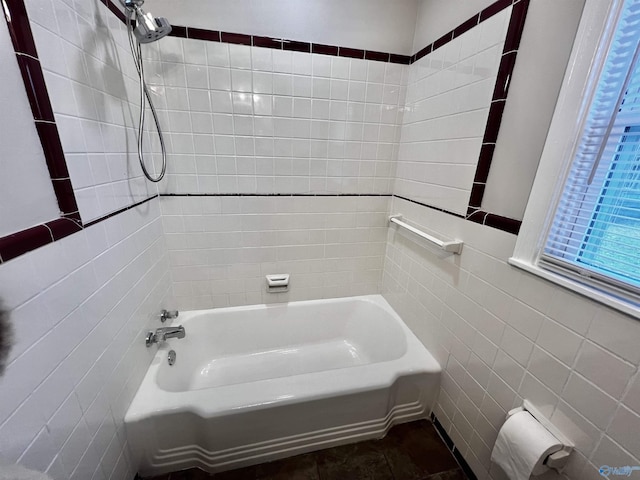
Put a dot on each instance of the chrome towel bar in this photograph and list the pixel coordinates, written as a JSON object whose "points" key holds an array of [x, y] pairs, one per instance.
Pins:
{"points": [[454, 246]]}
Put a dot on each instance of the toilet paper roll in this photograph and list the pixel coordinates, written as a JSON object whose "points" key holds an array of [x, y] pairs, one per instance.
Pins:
{"points": [[522, 445]]}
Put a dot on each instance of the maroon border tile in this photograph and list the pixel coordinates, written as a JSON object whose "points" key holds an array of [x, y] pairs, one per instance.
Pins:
{"points": [[324, 49], [464, 27], [505, 70], [52, 149], [509, 225], [203, 34], [484, 162], [477, 194], [400, 59], [294, 46], [494, 121], [64, 193], [423, 53], [443, 40], [267, 42], [494, 8], [350, 52], [16, 244], [35, 87], [63, 227], [516, 26], [178, 31], [376, 56], [118, 212], [236, 38], [113, 8], [15, 13]]}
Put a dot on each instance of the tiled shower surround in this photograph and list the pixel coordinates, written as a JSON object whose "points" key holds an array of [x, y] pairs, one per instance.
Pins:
{"points": [[244, 119], [221, 248], [285, 162]]}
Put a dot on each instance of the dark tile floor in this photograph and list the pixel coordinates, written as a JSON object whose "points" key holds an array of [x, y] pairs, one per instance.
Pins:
{"points": [[411, 451]]}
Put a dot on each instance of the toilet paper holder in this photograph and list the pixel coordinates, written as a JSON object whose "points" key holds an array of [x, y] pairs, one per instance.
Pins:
{"points": [[556, 460]]}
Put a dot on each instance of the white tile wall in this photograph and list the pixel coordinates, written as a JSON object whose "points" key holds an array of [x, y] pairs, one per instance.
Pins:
{"points": [[253, 120], [79, 309], [503, 335], [221, 248], [448, 98], [245, 119], [92, 84]]}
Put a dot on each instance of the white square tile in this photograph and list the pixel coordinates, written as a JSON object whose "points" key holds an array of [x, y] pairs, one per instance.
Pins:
{"points": [[608, 372], [587, 399]]}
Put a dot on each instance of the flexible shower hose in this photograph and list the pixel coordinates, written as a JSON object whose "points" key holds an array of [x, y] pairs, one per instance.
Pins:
{"points": [[136, 52]]}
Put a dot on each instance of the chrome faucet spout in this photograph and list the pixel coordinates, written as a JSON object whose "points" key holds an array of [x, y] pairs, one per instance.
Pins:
{"points": [[163, 334]]}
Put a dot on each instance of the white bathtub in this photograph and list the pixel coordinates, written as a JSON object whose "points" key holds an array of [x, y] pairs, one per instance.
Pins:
{"points": [[253, 384]]}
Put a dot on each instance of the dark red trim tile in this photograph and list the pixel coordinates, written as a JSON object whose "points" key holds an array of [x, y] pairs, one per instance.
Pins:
{"points": [[466, 26], [36, 88], [400, 59], [477, 194], [443, 40], [505, 72], [494, 8], [63, 227], [429, 206], [509, 225], [294, 46], [493, 122], [113, 8], [516, 26], [203, 34], [324, 49], [75, 216], [178, 31], [475, 215], [237, 38], [267, 42], [376, 56], [484, 163], [350, 52], [52, 149], [12, 246], [64, 193], [118, 212], [424, 52], [19, 27]]}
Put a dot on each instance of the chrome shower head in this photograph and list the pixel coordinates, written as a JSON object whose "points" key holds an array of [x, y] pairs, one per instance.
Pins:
{"points": [[146, 28], [149, 29]]}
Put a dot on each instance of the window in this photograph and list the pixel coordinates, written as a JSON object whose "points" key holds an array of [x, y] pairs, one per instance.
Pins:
{"points": [[594, 236]]}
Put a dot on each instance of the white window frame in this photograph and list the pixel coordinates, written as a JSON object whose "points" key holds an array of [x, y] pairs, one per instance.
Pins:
{"points": [[595, 32]]}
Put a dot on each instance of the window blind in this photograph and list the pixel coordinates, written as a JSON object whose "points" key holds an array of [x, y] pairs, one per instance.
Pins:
{"points": [[595, 233]]}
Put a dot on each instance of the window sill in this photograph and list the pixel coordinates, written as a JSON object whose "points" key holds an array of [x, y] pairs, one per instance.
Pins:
{"points": [[587, 291]]}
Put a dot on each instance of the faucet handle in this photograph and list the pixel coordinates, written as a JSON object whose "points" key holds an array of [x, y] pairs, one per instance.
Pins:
{"points": [[168, 315], [150, 339]]}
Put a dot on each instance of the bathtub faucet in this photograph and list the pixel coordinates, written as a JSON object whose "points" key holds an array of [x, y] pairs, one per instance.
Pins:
{"points": [[164, 333]]}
